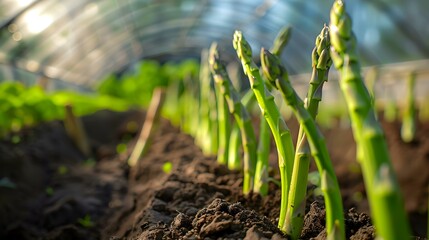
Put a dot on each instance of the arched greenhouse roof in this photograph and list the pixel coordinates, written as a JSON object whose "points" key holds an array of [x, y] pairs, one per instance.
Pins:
{"points": [[78, 42]]}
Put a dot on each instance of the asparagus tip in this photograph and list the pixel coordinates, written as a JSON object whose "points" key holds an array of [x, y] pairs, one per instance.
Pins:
{"points": [[271, 66], [242, 47]]}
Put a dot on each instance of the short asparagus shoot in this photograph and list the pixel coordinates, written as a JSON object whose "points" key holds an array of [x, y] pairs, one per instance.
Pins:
{"points": [[408, 128]]}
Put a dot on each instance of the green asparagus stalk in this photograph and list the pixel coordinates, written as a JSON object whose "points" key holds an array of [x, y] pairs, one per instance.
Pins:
{"points": [[261, 172], [371, 78], [408, 128], [241, 116], [279, 129], [321, 63], [206, 137], [423, 109], [263, 154], [278, 78], [224, 124], [384, 196], [281, 40], [390, 107], [234, 161]]}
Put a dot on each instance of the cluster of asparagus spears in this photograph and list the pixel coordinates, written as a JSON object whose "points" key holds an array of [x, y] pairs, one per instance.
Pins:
{"points": [[335, 44], [226, 129]]}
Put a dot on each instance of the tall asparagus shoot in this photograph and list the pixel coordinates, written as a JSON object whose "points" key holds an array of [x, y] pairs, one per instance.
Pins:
{"points": [[241, 116], [261, 172], [408, 128], [278, 78], [234, 156], [206, 136], [321, 63], [390, 107], [224, 124], [263, 155], [384, 196], [279, 129]]}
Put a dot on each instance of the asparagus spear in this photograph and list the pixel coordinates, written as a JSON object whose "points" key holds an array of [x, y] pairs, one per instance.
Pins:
{"points": [[390, 106], [278, 78], [281, 40], [206, 135], [408, 128], [261, 172], [263, 154], [321, 63], [224, 124], [384, 196], [241, 116], [279, 129], [234, 161]]}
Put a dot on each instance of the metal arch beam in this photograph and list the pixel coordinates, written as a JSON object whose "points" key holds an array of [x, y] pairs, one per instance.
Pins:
{"points": [[407, 29], [77, 46], [38, 38], [13, 18], [47, 41]]}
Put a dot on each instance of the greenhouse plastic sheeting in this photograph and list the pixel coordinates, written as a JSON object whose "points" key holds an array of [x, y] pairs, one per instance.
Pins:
{"points": [[81, 41]]}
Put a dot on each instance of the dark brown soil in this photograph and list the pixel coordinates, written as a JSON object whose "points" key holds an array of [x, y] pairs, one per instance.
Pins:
{"points": [[60, 194]]}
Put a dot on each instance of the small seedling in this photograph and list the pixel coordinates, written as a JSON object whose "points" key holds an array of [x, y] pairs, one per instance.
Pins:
{"points": [[62, 170], [167, 167], [86, 221], [90, 162], [16, 139], [49, 191], [121, 148]]}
